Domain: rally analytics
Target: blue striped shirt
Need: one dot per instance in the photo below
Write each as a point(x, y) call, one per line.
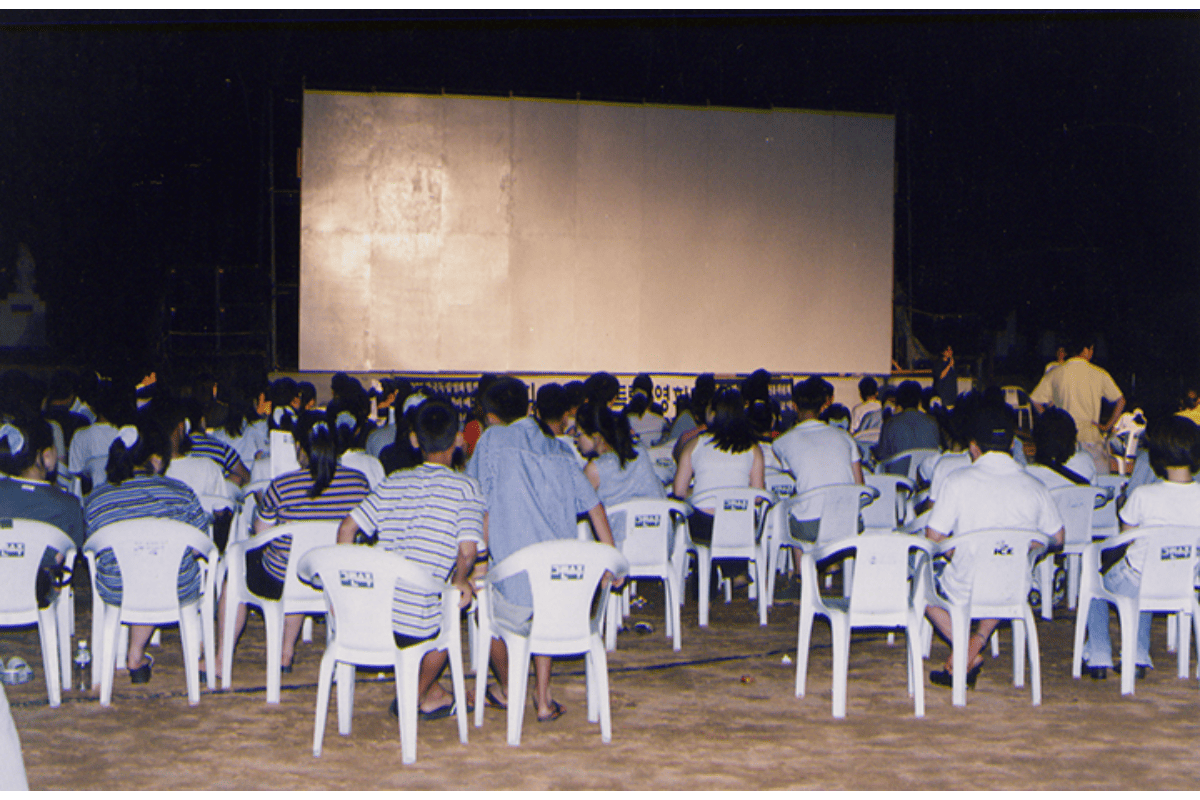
point(135, 498)
point(218, 451)
point(287, 500)
point(424, 514)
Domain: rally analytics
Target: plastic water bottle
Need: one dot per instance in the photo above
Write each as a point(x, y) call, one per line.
point(83, 664)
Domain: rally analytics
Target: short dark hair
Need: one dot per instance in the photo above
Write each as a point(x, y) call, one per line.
point(551, 402)
point(436, 425)
point(1054, 434)
point(868, 387)
point(993, 428)
point(908, 394)
point(809, 395)
point(1173, 441)
point(306, 391)
point(602, 387)
point(507, 398)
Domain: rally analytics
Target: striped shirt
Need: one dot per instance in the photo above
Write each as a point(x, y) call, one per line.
point(218, 451)
point(137, 497)
point(424, 514)
point(287, 500)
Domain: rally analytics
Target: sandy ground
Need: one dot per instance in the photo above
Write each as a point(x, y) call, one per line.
point(721, 715)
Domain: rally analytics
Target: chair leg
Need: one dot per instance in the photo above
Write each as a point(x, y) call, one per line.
point(1035, 661)
point(408, 667)
point(995, 637)
point(324, 682)
point(306, 630)
point(1172, 632)
point(802, 645)
point(65, 620)
point(961, 626)
point(671, 592)
point(704, 573)
point(112, 623)
point(345, 696)
point(518, 686)
point(1045, 570)
point(191, 641)
point(228, 623)
point(1127, 613)
point(455, 656)
point(273, 617)
point(611, 621)
point(840, 623)
point(1184, 626)
point(847, 576)
point(598, 667)
point(1074, 563)
point(483, 646)
point(1020, 630)
point(916, 667)
point(1082, 606)
point(48, 634)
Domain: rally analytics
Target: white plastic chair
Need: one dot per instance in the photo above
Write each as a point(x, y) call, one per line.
point(359, 584)
point(738, 521)
point(650, 526)
point(1104, 520)
point(21, 549)
point(297, 598)
point(283, 453)
point(908, 462)
point(1170, 554)
point(836, 506)
point(664, 461)
point(149, 551)
point(882, 598)
point(1076, 506)
point(892, 510)
point(564, 576)
point(1012, 396)
point(1000, 582)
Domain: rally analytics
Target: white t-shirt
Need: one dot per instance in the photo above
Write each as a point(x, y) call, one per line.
point(817, 454)
point(718, 469)
point(993, 492)
point(942, 465)
point(1159, 503)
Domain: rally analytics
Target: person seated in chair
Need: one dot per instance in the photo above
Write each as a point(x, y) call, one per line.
point(1058, 462)
point(1174, 445)
point(432, 516)
point(534, 491)
point(909, 429)
point(993, 492)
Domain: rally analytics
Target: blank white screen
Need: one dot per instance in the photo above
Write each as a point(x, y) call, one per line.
point(469, 235)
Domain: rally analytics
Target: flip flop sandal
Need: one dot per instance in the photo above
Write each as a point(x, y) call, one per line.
point(556, 711)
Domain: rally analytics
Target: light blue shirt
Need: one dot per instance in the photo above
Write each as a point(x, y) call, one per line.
point(533, 490)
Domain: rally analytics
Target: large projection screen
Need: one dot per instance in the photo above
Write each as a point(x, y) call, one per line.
point(460, 234)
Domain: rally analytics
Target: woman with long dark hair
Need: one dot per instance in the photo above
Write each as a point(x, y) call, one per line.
point(726, 455)
point(617, 468)
point(320, 490)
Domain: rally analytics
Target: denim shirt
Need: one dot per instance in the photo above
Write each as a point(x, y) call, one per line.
point(533, 490)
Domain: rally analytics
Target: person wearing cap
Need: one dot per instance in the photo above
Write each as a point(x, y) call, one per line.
point(1078, 387)
point(993, 492)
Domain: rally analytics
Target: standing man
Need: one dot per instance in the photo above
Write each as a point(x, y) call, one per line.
point(1078, 387)
point(945, 378)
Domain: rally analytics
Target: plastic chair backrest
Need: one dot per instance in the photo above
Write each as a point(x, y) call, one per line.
point(563, 576)
point(881, 575)
point(664, 461)
point(359, 584)
point(889, 510)
point(1001, 558)
point(1168, 566)
point(148, 552)
point(22, 542)
point(908, 462)
point(648, 527)
point(836, 506)
point(283, 453)
point(1076, 504)
point(780, 484)
point(738, 518)
point(306, 536)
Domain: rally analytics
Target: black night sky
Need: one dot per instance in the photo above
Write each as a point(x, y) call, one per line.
point(1048, 164)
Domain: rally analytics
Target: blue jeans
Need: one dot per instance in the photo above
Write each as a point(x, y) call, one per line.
point(1097, 649)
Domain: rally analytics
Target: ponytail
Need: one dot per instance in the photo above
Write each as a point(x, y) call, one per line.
point(319, 443)
point(595, 419)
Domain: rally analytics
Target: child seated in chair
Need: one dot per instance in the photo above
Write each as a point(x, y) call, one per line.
point(432, 516)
